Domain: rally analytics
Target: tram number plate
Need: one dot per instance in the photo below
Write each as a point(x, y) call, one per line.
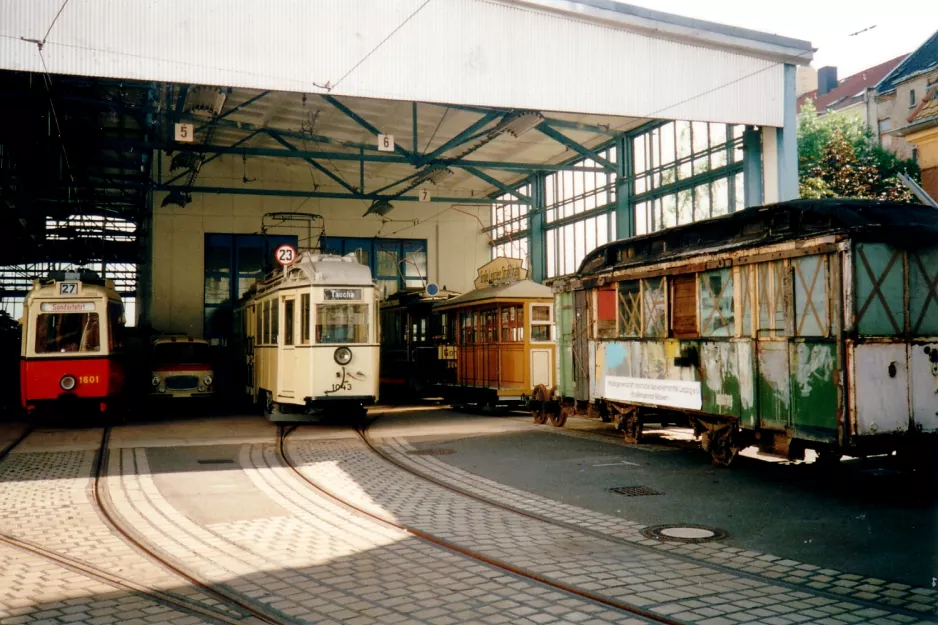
point(344, 386)
point(89, 379)
point(343, 294)
point(68, 288)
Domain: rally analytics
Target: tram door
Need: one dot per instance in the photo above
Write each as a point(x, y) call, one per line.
point(287, 351)
point(581, 352)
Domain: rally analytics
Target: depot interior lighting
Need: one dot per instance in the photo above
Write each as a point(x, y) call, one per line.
point(522, 123)
point(435, 175)
point(379, 207)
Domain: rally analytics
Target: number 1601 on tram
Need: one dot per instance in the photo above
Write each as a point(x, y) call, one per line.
point(71, 342)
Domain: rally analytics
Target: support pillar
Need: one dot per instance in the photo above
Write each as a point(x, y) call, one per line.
point(625, 211)
point(537, 250)
point(788, 141)
point(752, 167)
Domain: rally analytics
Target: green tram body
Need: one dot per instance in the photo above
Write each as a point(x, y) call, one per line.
point(810, 324)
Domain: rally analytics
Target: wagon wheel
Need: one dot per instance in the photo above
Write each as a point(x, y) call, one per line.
point(558, 416)
point(538, 398)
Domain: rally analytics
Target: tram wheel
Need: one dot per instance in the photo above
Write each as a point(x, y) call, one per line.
point(538, 398)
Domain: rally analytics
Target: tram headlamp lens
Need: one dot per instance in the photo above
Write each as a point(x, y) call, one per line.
point(207, 380)
point(343, 356)
point(156, 380)
point(67, 382)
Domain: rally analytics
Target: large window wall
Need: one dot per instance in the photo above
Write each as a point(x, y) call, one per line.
point(664, 175)
point(684, 172)
point(395, 263)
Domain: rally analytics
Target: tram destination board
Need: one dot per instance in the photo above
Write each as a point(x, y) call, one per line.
point(342, 294)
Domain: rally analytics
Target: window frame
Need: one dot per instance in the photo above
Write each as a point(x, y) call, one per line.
point(549, 323)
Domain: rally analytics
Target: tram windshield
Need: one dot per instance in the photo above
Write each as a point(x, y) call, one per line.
point(181, 354)
point(67, 333)
point(342, 323)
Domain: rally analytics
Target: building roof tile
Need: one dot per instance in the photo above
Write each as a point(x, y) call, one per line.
point(923, 59)
point(850, 90)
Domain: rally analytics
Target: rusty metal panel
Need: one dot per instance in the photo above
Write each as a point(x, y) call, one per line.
point(720, 386)
point(653, 363)
point(924, 386)
point(581, 359)
point(773, 384)
point(881, 388)
point(814, 393)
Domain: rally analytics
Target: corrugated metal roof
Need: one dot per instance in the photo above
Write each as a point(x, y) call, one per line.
point(522, 289)
point(458, 51)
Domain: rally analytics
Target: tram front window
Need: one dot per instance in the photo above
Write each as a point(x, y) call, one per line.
point(67, 333)
point(342, 323)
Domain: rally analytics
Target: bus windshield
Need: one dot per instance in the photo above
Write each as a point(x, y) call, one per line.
point(181, 354)
point(67, 333)
point(342, 323)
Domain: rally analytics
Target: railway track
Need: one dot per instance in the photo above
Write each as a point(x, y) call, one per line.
point(102, 504)
point(474, 555)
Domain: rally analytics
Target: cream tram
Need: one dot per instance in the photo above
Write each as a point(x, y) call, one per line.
point(310, 335)
point(504, 339)
point(71, 342)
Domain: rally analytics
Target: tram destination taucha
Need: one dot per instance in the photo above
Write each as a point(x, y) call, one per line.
point(72, 331)
point(310, 336)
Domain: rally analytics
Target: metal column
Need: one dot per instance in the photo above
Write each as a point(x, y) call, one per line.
point(752, 167)
point(536, 247)
point(625, 211)
point(788, 142)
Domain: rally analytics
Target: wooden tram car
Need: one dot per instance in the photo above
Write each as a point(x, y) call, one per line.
point(806, 324)
point(71, 342)
point(502, 335)
point(311, 338)
point(415, 360)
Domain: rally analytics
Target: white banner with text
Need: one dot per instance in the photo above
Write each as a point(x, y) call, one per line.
point(673, 393)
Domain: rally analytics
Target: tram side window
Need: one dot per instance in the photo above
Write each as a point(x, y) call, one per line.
point(773, 295)
point(717, 312)
point(342, 323)
point(67, 333)
point(512, 323)
point(541, 322)
point(275, 321)
point(115, 326)
point(258, 324)
point(606, 313)
point(267, 322)
point(288, 322)
point(684, 306)
point(304, 318)
point(489, 319)
point(654, 307)
point(630, 308)
point(465, 328)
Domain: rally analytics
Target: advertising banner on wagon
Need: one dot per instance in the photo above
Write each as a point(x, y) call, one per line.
point(673, 393)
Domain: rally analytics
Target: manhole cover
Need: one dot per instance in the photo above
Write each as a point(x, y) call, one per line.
point(684, 533)
point(635, 491)
point(216, 461)
point(433, 451)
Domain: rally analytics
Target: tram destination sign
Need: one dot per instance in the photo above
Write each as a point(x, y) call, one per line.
point(500, 269)
point(343, 295)
point(67, 307)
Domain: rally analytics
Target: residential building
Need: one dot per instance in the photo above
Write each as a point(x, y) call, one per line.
point(900, 93)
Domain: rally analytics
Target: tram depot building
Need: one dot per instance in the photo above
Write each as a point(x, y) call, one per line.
point(430, 137)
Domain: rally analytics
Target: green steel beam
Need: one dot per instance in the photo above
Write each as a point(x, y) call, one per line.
point(537, 249)
point(289, 134)
point(361, 121)
point(562, 139)
point(498, 184)
point(211, 158)
point(460, 138)
point(233, 110)
point(316, 165)
point(324, 194)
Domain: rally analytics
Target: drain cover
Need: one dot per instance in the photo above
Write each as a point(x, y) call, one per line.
point(432, 451)
point(215, 461)
point(684, 533)
point(635, 491)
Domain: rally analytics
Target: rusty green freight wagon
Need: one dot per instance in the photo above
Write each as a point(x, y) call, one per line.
point(800, 325)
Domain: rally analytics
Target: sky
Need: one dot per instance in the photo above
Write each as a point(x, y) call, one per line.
point(899, 28)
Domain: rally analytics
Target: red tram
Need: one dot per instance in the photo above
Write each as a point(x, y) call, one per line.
point(71, 342)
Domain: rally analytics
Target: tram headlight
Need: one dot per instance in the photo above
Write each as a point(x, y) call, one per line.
point(156, 380)
point(67, 382)
point(207, 380)
point(343, 356)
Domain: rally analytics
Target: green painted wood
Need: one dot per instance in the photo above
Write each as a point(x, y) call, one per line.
point(773, 384)
point(813, 386)
point(879, 286)
point(564, 306)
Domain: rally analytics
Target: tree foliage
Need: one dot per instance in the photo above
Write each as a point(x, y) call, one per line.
point(839, 157)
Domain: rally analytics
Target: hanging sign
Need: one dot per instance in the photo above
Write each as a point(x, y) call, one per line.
point(185, 133)
point(385, 143)
point(285, 254)
point(423, 195)
point(501, 269)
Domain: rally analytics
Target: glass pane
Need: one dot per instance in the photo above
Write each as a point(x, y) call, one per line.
point(540, 333)
point(667, 145)
point(669, 211)
point(702, 202)
point(721, 198)
point(250, 259)
point(67, 333)
point(630, 308)
point(341, 323)
point(540, 313)
point(685, 207)
point(654, 293)
point(217, 289)
point(304, 317)
point(716, 303)
point(288, 322)
point(388, 258)
point(275, 321)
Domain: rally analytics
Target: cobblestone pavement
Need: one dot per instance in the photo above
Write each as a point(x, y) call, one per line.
point(35, 590)
point(322, 563)
point(46, 500)
point(685, 584)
